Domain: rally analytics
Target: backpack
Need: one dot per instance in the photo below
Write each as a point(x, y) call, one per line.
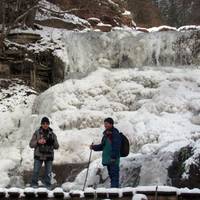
point(125, 147)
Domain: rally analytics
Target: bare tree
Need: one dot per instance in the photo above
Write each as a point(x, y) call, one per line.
point(14, 13)
point(2, 35)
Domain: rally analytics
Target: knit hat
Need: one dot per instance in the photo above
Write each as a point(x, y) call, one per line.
point(109, 120)
point(45, 120)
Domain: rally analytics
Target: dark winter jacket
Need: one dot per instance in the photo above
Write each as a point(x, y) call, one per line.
point(44, 151)
point(110, 145)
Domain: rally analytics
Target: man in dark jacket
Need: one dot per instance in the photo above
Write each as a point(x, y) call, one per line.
point(110, 145)
point(44, 141)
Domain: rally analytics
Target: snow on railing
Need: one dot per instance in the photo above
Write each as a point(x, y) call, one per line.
point(139, 193)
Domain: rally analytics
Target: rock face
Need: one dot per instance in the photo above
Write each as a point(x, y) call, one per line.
point(108, 11)
point(37, 70)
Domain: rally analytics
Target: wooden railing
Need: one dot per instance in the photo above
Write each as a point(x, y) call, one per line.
point(90, 194)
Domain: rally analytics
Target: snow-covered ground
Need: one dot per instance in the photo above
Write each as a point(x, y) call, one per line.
point(15, 108)
point(156, 106)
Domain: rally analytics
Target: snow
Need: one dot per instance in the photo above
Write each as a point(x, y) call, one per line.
point(2, 190)
point(156, 29)
point(48, 5)
point(41, 190)
point(45, 13)
point(107, 191)
point(58, 190)
point(105, 25)
point(189, 27)
point(159, 124)
point(128, 189)
point(94, 19)
point(89, 190)
point(29, 190)
point(126, 12)
point(113, 3)
point(186, 190)
point(15, 106)
point(77, 109)
point(152, 105)
point(157, 188)
point(139, 197)
point(14, 190)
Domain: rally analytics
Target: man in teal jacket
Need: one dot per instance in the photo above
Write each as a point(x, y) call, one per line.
point(110, 145)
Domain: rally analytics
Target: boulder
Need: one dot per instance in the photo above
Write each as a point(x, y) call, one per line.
point(177, 171)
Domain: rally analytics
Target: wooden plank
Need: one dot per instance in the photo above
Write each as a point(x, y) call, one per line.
point(161, 195)
point(113, 195)
point(102, 195)
point(89, 195)
point(75, 196)
point(29, 195)
point(42, 195)
point(189, 196)
point(59, 195)
point(13, 195)
point(2, 195)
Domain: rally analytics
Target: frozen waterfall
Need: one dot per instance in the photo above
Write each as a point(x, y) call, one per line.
point(85, 52)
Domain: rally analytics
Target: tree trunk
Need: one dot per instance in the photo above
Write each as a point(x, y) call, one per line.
point(2, 36)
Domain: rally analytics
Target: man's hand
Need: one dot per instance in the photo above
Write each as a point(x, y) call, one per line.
point(91, 146)
point(41, 141)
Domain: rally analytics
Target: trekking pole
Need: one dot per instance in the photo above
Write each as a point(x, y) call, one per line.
point(87, 169)
point(156, 194)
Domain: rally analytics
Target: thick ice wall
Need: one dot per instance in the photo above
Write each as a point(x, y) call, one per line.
point(123, 49)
